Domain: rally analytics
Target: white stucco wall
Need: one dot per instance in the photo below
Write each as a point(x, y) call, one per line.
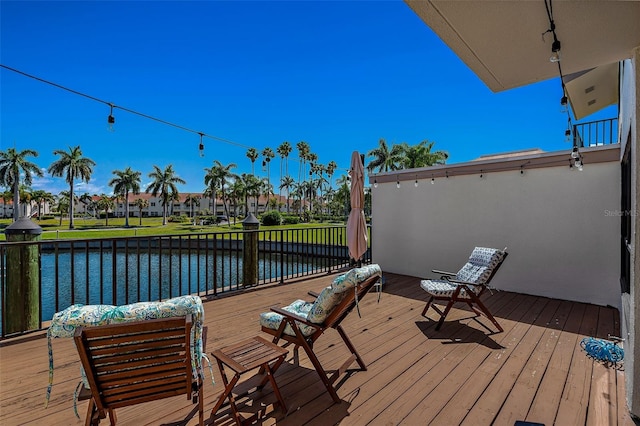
point(560, 226)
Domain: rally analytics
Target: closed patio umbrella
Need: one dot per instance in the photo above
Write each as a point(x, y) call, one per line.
point(357, 225)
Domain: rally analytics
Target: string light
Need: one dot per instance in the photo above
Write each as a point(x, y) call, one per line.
point(563, 104)
point(433, 180)
point(555, 46)
point(577, 158)
point(111, 120)
point(375, 183)
point(509, 167)
point(555, 57)
point(416, 184)
point(201, 146)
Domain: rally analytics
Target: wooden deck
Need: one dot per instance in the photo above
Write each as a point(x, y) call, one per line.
point(462, 374)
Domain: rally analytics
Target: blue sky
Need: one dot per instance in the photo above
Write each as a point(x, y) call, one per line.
point(339, 75)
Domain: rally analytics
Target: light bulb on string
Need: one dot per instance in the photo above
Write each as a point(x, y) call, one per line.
point(433, 180)
point(111, 120)
point(575, 154)
point(564, 101)
point(555, 50)
point(397, 182)
point(416, 184)
point(201, 146)
point(375, 183)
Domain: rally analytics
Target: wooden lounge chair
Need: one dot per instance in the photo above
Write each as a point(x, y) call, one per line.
point(302, 323)
point(135, 362)
point(467, 285)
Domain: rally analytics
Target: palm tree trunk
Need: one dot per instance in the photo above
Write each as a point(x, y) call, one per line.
point(71, 204)
point(126, 209)
point(16, 200)
point(164, 214)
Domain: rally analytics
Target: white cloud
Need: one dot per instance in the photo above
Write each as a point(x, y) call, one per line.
point(55, 185)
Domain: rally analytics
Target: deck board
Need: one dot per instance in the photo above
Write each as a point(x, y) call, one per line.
point(462, 374)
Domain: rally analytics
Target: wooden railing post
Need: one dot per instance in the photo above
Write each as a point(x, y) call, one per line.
point(250, 250)
point(22, 302)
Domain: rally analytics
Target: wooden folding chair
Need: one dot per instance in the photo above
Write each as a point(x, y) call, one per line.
point(467, 285)
point(135, 362)
point(302, 323)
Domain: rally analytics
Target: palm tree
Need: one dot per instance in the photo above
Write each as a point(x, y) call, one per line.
point(191, 200)
point(303, 153)
point(252, 188)
point(39, 196)
point(287, 183)
point(12, 163)
point(217, 177)
point(267, 190)
point(126, 180)
point(106, 203)
point(283, 151)
point(420, 155)
point(236, 194)
point(164, 185)
point(385, 159)
point(252, 154)
point(226, 175)
point(331, 169)
point(343, 194)
point(63, 205)
point(73, 166)
point(268, 154)
point(141, 203)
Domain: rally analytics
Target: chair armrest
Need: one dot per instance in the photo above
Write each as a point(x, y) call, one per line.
point(437, 271)
point(313, 294)
point(292, 316)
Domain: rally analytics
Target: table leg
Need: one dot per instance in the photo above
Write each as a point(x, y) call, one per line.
point(227, 393)
point(272, 379)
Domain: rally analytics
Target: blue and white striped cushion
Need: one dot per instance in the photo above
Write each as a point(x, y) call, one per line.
point(299, 307)
point(480, 265)
point(441, 288)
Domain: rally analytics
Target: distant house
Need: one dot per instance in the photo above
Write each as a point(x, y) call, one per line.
point(205, 205)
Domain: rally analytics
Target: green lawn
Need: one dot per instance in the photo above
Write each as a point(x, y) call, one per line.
point(92, 228)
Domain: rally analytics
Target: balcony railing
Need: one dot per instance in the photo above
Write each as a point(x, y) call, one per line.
point(119, 271)
point(596, 133)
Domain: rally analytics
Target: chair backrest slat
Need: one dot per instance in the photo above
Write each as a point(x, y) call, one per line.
point(135, 362)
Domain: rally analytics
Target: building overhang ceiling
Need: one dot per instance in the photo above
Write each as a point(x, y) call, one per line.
point(503, 42)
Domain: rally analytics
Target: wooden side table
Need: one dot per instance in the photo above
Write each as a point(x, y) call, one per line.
point(244, 357)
